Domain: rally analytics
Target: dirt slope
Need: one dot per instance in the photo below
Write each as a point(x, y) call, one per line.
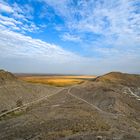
point(14, 92)
point(120, 78)
point(6, 76)
point(116, 93)
point(95, 110)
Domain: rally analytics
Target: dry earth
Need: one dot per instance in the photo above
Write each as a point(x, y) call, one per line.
point(106, 108)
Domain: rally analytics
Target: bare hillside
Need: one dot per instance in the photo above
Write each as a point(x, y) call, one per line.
point(14, 92)
point(6, 76)
point(106, 108)
point(120, 78)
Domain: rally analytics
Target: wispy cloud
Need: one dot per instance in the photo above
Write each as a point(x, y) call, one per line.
point(19, 19)
point(70, 37)
point(108, 30)
point(116, 22)
point(34, 55)
point(107, 18)
point(5, 8)
point(20, 45)
point(14, 45)
point(22, 53)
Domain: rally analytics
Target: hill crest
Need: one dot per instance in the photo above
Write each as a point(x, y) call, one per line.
point(6, 76)
point(120, 78)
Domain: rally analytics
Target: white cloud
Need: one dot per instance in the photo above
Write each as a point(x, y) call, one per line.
point(10, 22)
point(5, 8)
point(20, 53)
point(116, 21)
point(23, 12)
point(17, 45)
point(20, 18)
point(61, 7)
point(104, 17)
point(69, 37)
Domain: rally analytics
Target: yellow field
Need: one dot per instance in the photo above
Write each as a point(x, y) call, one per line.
point(56, 80)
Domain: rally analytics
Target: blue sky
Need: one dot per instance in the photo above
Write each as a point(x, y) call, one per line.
point(70, 36)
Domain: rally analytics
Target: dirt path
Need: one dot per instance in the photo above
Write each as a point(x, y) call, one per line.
point(130, 92)
point(31, 103)
point(68, 92)
point(92, 105)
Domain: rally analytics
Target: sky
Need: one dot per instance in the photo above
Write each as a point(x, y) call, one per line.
point(70, 36)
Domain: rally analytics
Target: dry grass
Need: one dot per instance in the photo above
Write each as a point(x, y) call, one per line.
point(56, 80)
point(53, 81)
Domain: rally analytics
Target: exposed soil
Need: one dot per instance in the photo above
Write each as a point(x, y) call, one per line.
point(98, 109)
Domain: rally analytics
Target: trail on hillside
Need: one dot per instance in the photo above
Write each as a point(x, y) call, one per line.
point(92, 105)
point(30, 103)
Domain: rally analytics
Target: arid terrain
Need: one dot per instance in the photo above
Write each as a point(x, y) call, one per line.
point(72, 108)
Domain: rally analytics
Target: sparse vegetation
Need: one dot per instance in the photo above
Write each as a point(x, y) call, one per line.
point(19, 102)
point(63, 116)
point(12, 115)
